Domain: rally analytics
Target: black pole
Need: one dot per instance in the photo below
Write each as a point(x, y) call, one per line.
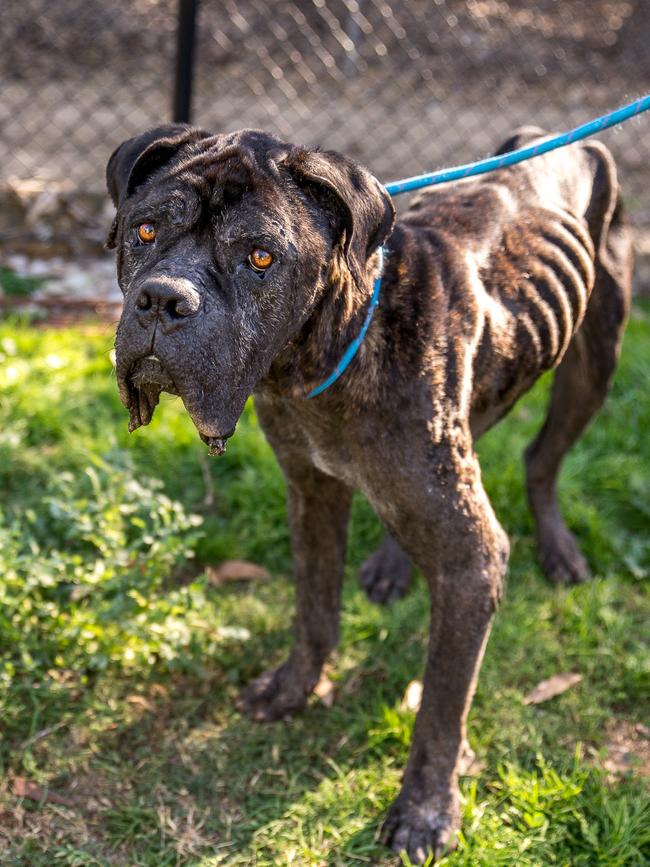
point(186, 32)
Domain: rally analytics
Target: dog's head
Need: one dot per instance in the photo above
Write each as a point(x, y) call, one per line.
point(224, 249)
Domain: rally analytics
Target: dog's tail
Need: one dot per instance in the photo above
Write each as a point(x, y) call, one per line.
point(608, 226)
point(519, 139)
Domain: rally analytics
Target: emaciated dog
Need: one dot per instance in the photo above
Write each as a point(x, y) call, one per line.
point(247, 265)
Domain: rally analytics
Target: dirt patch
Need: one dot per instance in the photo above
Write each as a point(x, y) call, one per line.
point(628, 749)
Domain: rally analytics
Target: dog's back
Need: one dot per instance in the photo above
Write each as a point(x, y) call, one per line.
point(531, 249)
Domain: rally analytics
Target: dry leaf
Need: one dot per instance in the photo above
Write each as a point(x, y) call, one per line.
point(555, 685)
point(412, 697)
point(159, 690)
point(140, 701)
point(324, 689)
point(23, 788)
point(237, 570)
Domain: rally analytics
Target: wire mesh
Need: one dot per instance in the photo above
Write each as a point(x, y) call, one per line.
point(404, 86)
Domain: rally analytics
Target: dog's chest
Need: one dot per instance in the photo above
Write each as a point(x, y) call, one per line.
point(331, 456)
point(326, 440)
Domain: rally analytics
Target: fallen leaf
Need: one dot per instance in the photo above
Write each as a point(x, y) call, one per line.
point(237, 570)
point(412, 697)
point(159, 690)
point(324, 689)
point(555, 685)
point(23, 788)
point(140, 701)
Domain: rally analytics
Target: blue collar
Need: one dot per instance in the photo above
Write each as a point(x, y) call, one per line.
point(353, 348)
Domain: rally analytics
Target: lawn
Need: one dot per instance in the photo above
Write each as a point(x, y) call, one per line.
point(120, 661)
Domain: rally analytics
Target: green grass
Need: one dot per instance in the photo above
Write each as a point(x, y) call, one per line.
point(120, 662)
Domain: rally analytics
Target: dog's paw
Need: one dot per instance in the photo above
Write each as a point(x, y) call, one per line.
point(562, 560)
point(273, 695)
point(386, 574)
point(420, 832)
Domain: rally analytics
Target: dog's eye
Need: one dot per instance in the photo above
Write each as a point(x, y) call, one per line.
point(146, 233)
point(260, 260)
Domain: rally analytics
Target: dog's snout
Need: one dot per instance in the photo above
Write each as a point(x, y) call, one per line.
point(171, 299)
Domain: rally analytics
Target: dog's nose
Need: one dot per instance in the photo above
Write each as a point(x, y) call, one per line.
point(171, 299)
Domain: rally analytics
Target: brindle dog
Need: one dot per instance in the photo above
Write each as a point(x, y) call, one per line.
point(247, 265)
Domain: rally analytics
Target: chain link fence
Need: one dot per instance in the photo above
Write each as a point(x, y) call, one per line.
point(404, 86)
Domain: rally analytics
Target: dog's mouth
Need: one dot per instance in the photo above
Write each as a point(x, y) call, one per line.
point(145, 382)
point(141, 389)
point(216, 445)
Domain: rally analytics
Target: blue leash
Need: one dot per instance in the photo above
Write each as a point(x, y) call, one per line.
point(480, 167)
point(468, 170)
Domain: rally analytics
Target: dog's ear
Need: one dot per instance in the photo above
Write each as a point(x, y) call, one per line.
point(361, 207)
point(137, 158)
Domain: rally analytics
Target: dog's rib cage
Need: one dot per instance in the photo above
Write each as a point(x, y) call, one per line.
point(538, 280)
point(562, 272)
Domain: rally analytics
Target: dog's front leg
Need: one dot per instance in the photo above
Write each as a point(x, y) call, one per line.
point(319, 509)
point(454, 538)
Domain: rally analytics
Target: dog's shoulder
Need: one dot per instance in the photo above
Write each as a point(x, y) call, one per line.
point(466, 219)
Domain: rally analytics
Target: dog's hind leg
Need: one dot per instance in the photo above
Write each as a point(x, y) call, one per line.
point(579, 388)
point(386, 574)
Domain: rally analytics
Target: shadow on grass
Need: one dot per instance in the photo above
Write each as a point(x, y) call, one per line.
point(189, 743)
point(187, 775)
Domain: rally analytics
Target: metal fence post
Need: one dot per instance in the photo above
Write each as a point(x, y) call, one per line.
point(186, 32)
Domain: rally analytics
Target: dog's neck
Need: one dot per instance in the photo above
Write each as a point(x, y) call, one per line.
point(332, 325)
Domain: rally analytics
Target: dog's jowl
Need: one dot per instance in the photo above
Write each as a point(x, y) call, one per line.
point(247, 265)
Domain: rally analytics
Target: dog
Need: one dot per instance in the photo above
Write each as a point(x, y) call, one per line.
point(247, 266)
